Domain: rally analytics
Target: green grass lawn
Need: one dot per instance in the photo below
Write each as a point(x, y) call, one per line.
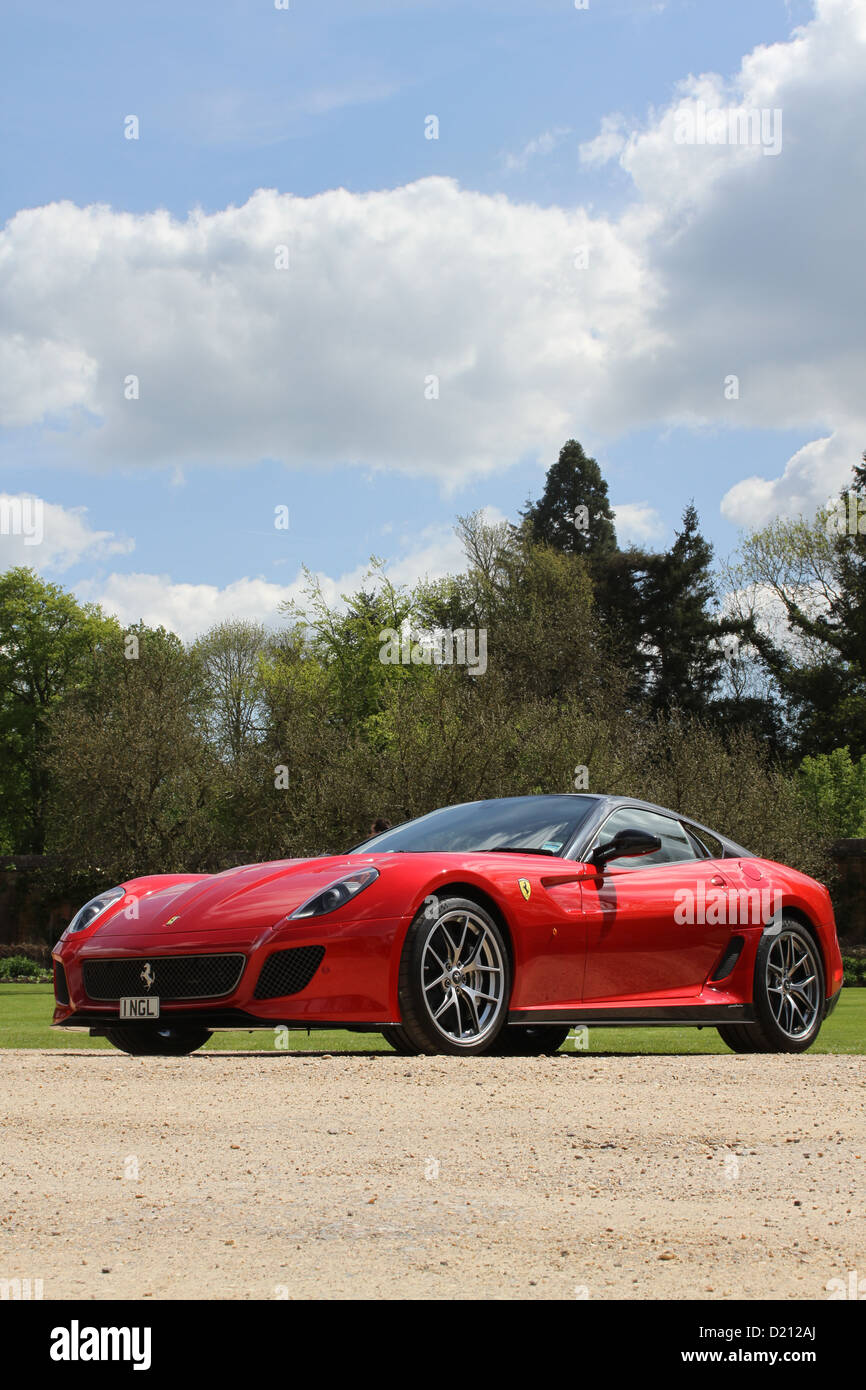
point(25, 1016)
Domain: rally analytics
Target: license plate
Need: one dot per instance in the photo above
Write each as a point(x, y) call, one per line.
point(139, 1006)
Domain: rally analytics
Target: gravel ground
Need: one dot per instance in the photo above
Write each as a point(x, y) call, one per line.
point(306, 1176)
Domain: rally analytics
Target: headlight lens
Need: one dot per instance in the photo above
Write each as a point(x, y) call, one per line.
point(87, 915)
point(336, 894)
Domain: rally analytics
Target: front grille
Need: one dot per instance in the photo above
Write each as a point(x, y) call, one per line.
point(61, 988)
point(172, 977)
point(288, 972)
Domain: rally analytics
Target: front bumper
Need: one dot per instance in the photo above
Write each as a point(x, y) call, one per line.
point(355, 983)
point(830, 1004)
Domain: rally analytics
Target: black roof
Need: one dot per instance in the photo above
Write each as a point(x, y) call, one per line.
point(731, 848)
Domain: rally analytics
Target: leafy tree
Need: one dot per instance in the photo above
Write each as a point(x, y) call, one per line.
point(47, 646)
point(136, 781)
point(803, 588)
point(231, 655)
point(833, 787)
point(347, 641)
point(537, 606)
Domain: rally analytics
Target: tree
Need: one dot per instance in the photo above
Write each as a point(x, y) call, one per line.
point(574, 516)
point(683, 636)
point(346, 640)
point(834, 790)
point(47, 646)
point(231, 655)
point(573, 513)
point(802, 587)
point(136, 783)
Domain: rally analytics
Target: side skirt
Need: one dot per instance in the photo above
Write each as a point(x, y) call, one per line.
point(659, 1016)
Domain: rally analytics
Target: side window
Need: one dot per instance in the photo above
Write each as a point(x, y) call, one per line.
point(676, 844)
point(708, 842)
point(699, 846)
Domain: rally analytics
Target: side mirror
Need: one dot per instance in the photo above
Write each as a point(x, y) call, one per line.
point(624, 845)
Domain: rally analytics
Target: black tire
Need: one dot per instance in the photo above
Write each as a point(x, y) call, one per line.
point(396, 1038)
point(476, 971)
point(531, 1041)
point(158, 1042)
point(739, 1037)
point(788, 994)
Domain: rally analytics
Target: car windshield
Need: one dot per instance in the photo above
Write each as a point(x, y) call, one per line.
point(544, 823)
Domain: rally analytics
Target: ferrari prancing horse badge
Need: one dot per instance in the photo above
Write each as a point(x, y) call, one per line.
point(525, 887)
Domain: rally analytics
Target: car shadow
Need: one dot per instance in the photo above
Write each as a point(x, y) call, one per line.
point(242, 1054)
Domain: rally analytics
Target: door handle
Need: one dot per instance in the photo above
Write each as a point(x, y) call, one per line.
point(718, 881)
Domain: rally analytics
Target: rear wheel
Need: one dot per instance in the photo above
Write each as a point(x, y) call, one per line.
point(788, 994)
point(158, 1042)
point(536, 1041)
point(455, 979)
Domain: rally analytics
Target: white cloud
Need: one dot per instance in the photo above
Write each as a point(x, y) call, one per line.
point(607, 145)
point(190, 609)
point(637, 522)
point(812, 476)
point(44, 536)
point(726, 263)
point(542, 144)
point(327, 361)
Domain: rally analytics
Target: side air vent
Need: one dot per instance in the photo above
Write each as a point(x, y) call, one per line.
point(729, 959)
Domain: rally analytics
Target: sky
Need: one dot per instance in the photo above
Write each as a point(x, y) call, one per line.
point(287, 285)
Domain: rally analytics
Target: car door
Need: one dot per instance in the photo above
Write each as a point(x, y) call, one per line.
point(647, 931)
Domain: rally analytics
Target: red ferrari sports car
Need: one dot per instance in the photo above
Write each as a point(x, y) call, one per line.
point(494, 926)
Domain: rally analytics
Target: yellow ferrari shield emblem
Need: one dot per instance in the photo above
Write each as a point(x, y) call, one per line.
point(525, 887)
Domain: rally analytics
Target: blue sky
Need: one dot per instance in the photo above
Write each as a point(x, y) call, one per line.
point(302, 400)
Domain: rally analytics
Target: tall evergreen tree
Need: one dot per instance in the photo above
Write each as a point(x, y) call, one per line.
point(683, 637)
point(573, 513)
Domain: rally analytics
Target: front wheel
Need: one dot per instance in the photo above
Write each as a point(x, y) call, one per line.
point(396, 1038)
point(158, 1042)
point(788, 994)
point(455, 979)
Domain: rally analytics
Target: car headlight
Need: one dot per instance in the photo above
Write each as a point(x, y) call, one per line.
point(87, 915)
point(336, 894)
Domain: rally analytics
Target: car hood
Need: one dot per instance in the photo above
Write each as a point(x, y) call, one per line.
point(250, 897)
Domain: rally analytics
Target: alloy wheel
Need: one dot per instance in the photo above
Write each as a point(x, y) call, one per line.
point(462, 977)
point(793, 984)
